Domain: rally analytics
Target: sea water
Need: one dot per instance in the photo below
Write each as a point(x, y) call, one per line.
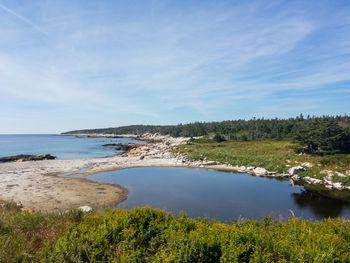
point(63, 147)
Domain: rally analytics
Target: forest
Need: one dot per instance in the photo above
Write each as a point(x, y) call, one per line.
point(323, 135)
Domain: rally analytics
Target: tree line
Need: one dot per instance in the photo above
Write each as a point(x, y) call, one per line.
point(326, 134)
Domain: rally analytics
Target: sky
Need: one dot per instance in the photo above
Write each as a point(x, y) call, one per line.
point(68, 65)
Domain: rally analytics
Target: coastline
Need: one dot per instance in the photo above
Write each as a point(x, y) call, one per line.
point(38, 184)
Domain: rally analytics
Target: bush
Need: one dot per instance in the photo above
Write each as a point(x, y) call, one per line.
point(151, 235)
point(218, 138)
point(23, 234)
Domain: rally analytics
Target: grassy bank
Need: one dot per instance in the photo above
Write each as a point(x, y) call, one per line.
point(273, 155)
point(151, 235)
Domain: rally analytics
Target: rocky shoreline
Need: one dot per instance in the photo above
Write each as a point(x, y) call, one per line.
point(38, 185)
point(160, 148)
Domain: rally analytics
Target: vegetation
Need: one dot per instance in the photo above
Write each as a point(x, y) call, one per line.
point(24, 234)
point(151, 235)
point(324, 136)
point(273, 155)
point(321, 135)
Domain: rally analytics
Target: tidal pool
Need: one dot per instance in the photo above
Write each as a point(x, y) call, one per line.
point(220, 195)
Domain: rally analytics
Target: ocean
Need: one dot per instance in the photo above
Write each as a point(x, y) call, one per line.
point(63, 147)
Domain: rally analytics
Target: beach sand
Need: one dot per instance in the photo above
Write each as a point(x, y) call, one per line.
point(37, 184)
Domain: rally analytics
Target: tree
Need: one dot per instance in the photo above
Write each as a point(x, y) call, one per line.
point(218, 138)
point(323, 136)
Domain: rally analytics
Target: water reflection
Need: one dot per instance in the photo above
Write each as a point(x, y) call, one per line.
point(220, 195)
point(321, 206)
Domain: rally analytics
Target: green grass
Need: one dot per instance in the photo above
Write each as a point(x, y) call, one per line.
point(276, 156)
point(152, 235)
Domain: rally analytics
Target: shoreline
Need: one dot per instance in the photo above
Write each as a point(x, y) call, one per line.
point(38, 184)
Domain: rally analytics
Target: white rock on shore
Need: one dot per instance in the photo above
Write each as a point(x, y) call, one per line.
point(86, 209)
point(260, 171)
point(294, 170)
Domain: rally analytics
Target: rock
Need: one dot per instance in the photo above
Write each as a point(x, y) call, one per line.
point(210, 163)
point(337, 186)
point(306, 164)
point(19, 204)
point(312, 180)
point(260, 171)
point(26, 157)
point(122, 146)
point(295, 170)
point(86, 209)
point(285, 175)
point(340, 174)
point(295, 177)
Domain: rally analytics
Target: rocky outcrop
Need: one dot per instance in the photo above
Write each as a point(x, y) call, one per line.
point(122, 146)
point(294, 170)
point(159, 148)
point(25, 157)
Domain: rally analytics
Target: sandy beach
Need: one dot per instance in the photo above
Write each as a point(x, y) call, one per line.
point(37, 184)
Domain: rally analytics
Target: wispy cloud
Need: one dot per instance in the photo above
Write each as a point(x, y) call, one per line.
point(22, 18)
point(116, 63)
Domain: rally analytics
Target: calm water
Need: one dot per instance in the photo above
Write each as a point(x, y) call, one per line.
point(63, 147)
point(220, 195)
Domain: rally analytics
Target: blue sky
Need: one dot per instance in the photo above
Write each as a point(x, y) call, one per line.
point(86, 64)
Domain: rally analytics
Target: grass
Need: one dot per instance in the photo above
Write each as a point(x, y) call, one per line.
point(276, 156)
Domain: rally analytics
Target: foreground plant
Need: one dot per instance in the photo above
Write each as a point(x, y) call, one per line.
point(151, 235)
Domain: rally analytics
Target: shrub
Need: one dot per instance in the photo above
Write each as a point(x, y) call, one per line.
point(151, 235)
point(218, 138)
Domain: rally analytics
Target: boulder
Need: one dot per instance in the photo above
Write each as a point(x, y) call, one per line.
point(340, 174)
point(260, 171)
point(312, 180)
point(295, 177)
point(86, 209)
point(294, 170)
point(337, 186)
point(306, 164)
